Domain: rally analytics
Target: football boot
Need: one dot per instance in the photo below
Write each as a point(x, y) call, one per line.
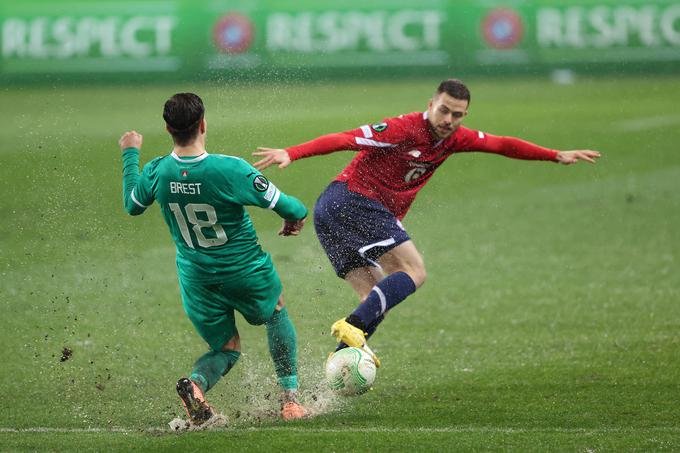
point(353, 337)
point(291, 409)
point(194, 402)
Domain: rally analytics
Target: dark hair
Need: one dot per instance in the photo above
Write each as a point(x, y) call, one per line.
point(454, 88)
point(183, 114)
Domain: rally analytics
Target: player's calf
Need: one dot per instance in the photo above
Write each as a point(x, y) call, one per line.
point(405, 258)
point(418, 275)
point(283, 349)
point(391, 291)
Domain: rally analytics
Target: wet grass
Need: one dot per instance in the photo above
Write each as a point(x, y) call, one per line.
point(549, 321)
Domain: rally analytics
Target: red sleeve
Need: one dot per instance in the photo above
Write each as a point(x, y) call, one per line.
point(388, 134)
point(506, 146)
point(323, 145)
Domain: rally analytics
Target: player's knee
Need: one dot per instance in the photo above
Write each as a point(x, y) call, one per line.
point(233, 344)
point(280, 304)
point(412, 264)
point(417, 273)
point(416, 270)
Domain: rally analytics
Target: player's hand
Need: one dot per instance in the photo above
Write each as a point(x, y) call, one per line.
point(130, 139)
point(291, 228)
point(271, 156)
point(571, 157)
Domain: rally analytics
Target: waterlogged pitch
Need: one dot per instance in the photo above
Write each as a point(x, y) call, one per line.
point(550, 319)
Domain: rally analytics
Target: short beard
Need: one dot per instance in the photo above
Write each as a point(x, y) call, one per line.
point(448, 132)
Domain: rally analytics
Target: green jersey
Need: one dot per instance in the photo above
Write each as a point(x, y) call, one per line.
point(202, 200)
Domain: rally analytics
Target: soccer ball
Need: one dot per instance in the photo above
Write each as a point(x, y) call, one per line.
point(350, 371)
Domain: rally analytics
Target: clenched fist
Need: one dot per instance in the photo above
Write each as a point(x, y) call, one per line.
point(130, 139)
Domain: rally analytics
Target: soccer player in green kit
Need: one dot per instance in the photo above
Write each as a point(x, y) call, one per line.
point(220, 265)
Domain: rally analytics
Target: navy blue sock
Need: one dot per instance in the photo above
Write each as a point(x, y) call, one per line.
point(384, 296)
point(370, 329)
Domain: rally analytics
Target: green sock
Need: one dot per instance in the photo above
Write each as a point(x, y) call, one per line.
point(210, 367)
point(283, 348)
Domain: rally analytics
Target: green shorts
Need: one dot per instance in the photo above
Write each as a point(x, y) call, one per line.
point(210, 306)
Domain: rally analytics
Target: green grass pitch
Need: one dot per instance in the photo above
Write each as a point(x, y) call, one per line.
point(550, 319)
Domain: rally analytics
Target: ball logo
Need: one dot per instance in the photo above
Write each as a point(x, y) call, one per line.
point(233, 33)
point(502, 28)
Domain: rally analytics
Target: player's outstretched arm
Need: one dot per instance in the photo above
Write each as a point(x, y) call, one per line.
point(325, 144)
point(520, 149)
point(571, 157)
point(271, 156)
point(130, 144)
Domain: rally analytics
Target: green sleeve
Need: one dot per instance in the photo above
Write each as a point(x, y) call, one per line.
point(290, 208)
point(252, 188)
point(137, 195)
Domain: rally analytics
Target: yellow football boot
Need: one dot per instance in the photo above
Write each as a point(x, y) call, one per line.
point(352, 336)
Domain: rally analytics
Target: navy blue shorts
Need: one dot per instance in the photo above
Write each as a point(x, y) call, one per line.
point(354, 230)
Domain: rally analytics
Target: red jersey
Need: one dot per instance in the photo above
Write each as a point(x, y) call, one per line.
point(398, 156)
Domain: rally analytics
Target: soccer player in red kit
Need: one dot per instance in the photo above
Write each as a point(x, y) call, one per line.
point(357, 218)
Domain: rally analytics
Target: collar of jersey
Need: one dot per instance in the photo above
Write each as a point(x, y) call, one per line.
point(195, 159)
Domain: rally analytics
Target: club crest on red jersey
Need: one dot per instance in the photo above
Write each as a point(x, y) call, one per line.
point(379, 127)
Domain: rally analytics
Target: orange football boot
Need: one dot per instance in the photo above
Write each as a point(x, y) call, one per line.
point(293, 410)
point(194, 402)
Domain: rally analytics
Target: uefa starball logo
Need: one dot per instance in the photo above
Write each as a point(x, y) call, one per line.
point(502, 28)
point(233, 33)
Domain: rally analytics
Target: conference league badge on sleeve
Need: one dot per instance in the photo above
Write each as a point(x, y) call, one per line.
point(379, 127)
point(267, 189)
point(261, 184)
